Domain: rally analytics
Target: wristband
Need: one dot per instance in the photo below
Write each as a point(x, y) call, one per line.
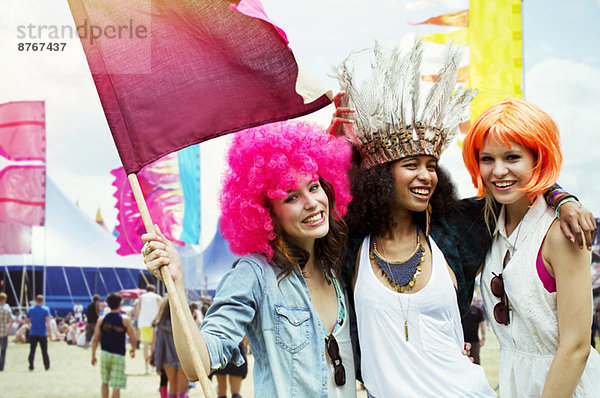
point(557, 211)
point(554, 193)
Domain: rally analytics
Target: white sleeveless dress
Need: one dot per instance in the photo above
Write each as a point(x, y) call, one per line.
point(528, 343)
point(430, 363)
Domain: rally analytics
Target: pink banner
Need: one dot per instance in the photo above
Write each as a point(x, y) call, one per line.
point(22, 162)
point(185, 71)
point(15, 239)
point(162, 190)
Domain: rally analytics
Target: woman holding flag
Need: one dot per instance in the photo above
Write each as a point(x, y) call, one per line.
point(285, 193)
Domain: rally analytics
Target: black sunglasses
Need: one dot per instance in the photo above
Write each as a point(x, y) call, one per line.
point(501, 314)
point(334, 353)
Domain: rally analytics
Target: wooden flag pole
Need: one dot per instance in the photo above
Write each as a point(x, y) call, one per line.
point(170, 285)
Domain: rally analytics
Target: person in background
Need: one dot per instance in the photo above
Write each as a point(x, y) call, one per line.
point(146, 310)
point(38, 319)
point(233, 375)
point(110, 333)
point(595, 324)
point(78, 311)
point(473, 324)
point(6, 322)
point(165, 355)
point(103, 308)
point(92, 313)
point(196, 313)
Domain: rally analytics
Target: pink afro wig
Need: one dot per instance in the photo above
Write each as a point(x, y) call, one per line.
point(264, 163)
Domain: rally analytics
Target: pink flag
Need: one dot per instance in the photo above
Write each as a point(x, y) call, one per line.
point(22, 162)
point(15, 238)
point(163, 193)
point(172, 73)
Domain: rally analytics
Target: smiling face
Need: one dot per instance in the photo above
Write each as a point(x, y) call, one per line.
point(506, 170)
point(303, 213)
point(415, 180)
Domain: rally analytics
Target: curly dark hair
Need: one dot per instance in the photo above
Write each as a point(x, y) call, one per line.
point(328, 249)
point(372, 190)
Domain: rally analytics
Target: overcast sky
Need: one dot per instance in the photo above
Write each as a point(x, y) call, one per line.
point(562, 75)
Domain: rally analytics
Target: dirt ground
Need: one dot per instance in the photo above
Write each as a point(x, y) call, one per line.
point(72, 375)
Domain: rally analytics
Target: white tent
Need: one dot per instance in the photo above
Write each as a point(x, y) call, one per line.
point(70, 238)
point(74, 256)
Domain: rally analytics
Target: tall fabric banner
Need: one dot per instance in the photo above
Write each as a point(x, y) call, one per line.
point(15, 238)
point(22, 162)
point(496, 51)
point(189, 176)
point(185, 71)
point(170, 200)
point(22, 173)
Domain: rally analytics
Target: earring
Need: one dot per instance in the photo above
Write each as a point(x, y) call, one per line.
point(427, 219)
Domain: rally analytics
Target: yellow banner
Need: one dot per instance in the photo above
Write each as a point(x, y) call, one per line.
point(458, 37)
point(496, 50)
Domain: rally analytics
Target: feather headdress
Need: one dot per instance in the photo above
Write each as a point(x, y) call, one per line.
point(391, 120)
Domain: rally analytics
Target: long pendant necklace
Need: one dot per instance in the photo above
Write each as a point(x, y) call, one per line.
point(391, 276)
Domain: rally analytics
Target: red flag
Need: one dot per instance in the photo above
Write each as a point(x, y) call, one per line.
point(181, 72)
point(22, 162)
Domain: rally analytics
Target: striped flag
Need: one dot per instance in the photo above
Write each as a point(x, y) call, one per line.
point(22, 162)
point(22, 174)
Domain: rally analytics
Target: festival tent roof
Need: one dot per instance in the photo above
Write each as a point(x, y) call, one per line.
point(218, 259)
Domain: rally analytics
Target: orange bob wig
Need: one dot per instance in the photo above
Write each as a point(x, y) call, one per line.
point(524, 123)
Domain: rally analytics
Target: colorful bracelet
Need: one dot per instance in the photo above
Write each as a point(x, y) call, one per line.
point(554, 193)
point(557, 211)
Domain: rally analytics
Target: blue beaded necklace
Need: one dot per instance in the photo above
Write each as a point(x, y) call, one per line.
point(401, 274)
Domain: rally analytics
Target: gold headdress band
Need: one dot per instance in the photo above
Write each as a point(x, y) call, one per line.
point(391, 123)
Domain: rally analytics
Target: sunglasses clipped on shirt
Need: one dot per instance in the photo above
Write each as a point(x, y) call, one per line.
point(501, 314)
point(334, 353)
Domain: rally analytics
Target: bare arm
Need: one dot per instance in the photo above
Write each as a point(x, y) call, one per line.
point(164, 254)
point(96, 339)
point(137, 308)
point(48, 326)
point(570, 267)
point(131, 333)
point(577, 224)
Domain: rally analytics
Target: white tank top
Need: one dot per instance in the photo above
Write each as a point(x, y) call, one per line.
point(528, 343)
point(148, 309)
point(430, 363)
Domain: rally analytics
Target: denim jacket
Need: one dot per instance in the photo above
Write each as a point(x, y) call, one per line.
point(282, 325)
